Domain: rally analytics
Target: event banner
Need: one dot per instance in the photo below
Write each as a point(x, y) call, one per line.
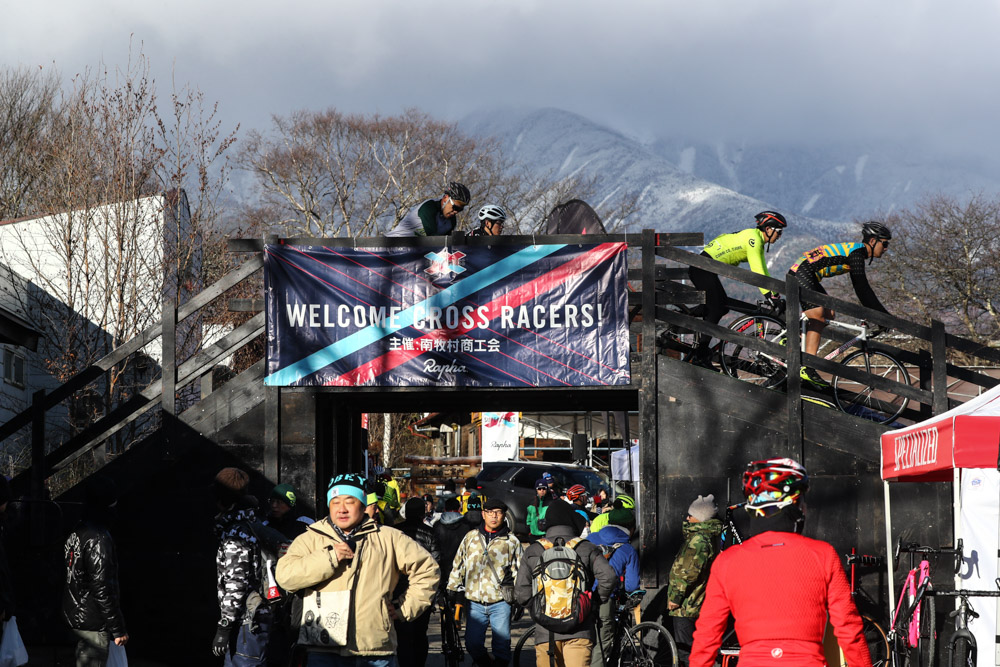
point(500, 437)
point(460, 316)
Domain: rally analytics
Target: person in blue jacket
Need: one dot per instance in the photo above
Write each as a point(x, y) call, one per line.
point(613, 540)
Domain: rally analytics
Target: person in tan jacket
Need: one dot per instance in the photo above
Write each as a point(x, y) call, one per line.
point(349, 551)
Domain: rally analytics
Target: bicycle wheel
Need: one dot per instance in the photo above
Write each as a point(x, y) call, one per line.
point(528, 634)
point(878, 645)
point(749, 365)
point(863, 400)
point(647, 645)
point(451, 642)
point(922, 655)
point(962, 654)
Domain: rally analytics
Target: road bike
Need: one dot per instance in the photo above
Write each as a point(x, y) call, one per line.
point(875, 636)
point(913, 635)
point(962, 648)
point(771, 371)
point(645, 644)
point(451, 631)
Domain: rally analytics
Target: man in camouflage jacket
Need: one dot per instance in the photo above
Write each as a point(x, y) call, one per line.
point(689, 574)
point(241, 636)
point(487, 556)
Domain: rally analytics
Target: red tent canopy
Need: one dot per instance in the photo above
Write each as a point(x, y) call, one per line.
point(967, 436)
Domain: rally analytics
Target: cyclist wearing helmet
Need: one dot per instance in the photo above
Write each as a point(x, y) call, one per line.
point(779, 585)
point(434, 217)
point(491, 219)
point(832, 260)
point(748, 246)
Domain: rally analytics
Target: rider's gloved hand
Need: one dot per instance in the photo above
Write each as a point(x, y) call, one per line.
point(456, 597)
point(220, 643)
point(776, 304)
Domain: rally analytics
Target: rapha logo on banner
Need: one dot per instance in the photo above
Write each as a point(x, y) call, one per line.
point(445, 265)
point(432, 367)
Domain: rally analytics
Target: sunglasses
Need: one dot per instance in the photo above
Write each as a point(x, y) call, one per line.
point(885, 243)
point(457, 205)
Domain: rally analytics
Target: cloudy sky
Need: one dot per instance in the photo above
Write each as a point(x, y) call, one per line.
point(921, 70)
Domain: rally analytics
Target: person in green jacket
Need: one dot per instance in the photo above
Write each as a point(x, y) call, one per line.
point(747, 246)
point(621, 502)
point(688, 577)
point(535, 514)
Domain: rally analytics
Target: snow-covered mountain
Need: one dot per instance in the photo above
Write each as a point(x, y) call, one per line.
point(841, 182)
point(714, 188)
point(672, 199)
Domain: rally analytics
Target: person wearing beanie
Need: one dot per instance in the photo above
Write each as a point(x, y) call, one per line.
point(350, 558)
point(535, 513)
point(472, 490)
point(243, 621)
point(613, 541)
point(91, 601)
point(413, 634)
point(563, 527)
point(284, 515)
point(777, 559)
point(486, 560)
point(689, 573)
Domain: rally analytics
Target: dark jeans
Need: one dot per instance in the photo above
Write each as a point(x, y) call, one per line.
point(248, 647)
point(683, 631)
point(91, 648)
point(411, 638)
point(318, 659)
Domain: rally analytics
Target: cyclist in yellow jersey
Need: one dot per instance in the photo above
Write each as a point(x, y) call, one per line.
point(831, 260)
point(748, 246)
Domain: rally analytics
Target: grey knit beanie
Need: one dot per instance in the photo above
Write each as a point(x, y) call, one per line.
point(704, 508)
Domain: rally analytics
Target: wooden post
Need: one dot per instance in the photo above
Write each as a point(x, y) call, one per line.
point(39, 471)
point(272, 431)
point(926, 369)
point(940, 372)
point(168, 374)
point(648, 439)
point(793, 342)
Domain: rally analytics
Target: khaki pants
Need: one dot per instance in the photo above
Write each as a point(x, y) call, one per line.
point(569, 653)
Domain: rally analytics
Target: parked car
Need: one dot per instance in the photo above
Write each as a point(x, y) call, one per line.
point(513, 482)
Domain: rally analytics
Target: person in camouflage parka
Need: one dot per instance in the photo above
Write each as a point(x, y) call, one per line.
point(241, 635)
point(688, 577)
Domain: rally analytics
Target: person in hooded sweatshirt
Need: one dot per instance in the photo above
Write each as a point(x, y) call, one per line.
point(613, 540)
point(450, 530)
point(564, 524)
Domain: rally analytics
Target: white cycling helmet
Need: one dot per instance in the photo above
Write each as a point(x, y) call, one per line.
point(493, 213)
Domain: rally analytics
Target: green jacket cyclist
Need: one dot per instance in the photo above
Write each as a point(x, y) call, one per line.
point(748, 246)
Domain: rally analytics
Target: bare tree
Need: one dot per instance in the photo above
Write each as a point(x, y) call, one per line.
point(944, 264)
point(332, 174)
point(28, 111)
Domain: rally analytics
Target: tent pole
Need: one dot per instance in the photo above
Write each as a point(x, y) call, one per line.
point(889, 550)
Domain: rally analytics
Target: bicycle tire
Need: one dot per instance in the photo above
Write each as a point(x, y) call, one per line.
point(962, 654)
point(749, 365)
point(878, 643)
point(451, 642)
point(650, 645)
point(923, 654)
point(865, 401)
point(516, 658)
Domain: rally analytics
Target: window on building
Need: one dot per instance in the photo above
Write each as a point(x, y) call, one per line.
point(13, 367)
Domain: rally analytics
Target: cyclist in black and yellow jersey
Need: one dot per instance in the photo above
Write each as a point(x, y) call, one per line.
point(747, 245)
point(832, 260)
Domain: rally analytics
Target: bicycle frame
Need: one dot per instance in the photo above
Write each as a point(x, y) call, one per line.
point(860, 331)
point(918, 580)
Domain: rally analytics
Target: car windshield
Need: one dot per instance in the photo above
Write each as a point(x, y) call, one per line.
point(591, 480)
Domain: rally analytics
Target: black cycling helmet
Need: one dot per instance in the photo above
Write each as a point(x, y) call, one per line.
point(458, 192)
point(875, 230)
point(767, 219)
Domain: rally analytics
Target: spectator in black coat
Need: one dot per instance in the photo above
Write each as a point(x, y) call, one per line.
point(6, 580)
point(450, 531)
point(91, 602)
point(413, 634)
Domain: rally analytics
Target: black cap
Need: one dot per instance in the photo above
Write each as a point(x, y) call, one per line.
point(494, 504)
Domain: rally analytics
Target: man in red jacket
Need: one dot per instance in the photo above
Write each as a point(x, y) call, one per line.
point(778, 585)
